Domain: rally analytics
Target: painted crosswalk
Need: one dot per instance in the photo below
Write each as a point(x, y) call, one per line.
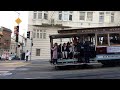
point(6, 67)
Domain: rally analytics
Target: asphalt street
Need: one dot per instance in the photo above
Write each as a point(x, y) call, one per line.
point(37, 69)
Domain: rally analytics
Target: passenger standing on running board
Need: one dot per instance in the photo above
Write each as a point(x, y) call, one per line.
point(27, 55)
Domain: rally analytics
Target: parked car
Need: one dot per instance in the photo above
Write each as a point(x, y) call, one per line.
point(13, 57)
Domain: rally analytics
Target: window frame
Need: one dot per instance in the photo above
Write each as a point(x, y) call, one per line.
point(46, 15)
point(40, 12)
point(70, 15)
point(112, 17)
point(38, 36)
point(102, 15)
point(89, 17)
point(65, 15)
point(34, 33)
point(38, 54)
point(80, 15)
point(34, 12)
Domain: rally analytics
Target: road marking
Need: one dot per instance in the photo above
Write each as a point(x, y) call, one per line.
point(22, 69)
point(5, 73)
point(29, 78)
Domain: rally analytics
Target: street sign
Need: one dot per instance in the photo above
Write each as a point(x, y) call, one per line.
point(18, 21)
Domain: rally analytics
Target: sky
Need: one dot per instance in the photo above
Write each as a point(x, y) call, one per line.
point(7, 19)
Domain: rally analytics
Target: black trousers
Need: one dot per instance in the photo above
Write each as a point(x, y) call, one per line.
point(54, 61)
point(70, 55)
point(87, 58)
point(79, 58)
point(26, 58)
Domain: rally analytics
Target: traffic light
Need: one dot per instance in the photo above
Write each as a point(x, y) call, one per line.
point(16, 38)
point(28, 34)
point(16, 31)
point(32, 44)
point(18, 46)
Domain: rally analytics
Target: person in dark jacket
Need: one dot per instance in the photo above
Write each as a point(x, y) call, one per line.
point(86, 52)
point(79, 50)
point(59, 52)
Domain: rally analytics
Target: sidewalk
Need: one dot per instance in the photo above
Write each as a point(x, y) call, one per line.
point(10, 61)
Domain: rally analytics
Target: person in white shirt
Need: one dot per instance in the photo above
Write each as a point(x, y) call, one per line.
point(27, 55)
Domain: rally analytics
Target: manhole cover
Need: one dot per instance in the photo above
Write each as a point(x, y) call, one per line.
point(22, 69)
point(5, 74)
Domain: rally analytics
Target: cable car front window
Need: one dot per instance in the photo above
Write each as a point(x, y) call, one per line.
point(102, 39)
point(114, 39)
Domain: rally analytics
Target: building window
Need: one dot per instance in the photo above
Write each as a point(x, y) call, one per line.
point(107, 13)
point(41, 34)
point(37, 33)
point(34, 32)
point(89, 16)
point(44, 34)
point(37, 52)
point(46, 15)
point(35, 15)
point(39, 14)
point(60, 15)
point(112, 17)
point(82, 15)
point(101, 16)
point(65, 15)
point(70, 15)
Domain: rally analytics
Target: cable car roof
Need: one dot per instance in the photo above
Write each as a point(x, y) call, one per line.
point(91, 29)
point(67, 33)
point(70, 35)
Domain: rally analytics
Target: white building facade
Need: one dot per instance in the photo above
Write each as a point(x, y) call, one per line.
point(41, 24)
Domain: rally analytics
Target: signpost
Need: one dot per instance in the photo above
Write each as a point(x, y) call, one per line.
point(18, 21)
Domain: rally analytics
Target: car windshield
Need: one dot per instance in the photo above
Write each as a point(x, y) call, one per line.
point(12, 55)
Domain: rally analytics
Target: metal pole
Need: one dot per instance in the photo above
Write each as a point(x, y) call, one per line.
point(17, 37)
point(31, 48)
point(22, 44)
point(31, 45)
